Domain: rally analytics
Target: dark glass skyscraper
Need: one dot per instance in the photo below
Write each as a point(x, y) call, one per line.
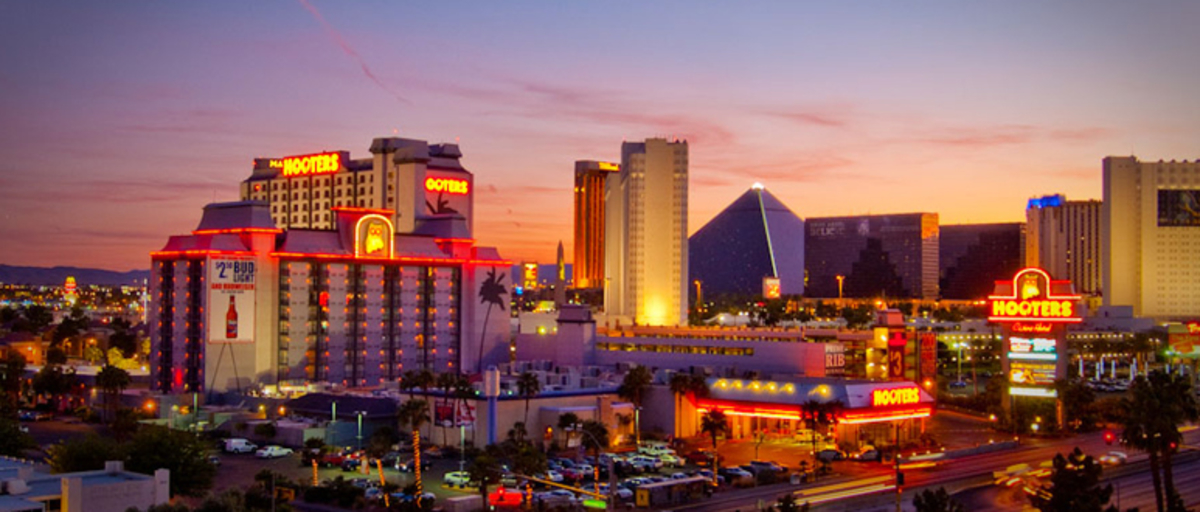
point(973, 257)
point(891, 256)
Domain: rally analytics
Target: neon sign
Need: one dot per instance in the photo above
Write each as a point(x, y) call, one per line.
point(307, 165)
point(1033, 300)
point(1032, 344)
point(895, 396)
point(373, 237)
point(448, 185)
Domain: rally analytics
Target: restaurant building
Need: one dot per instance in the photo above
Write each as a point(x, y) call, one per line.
point(866, 412)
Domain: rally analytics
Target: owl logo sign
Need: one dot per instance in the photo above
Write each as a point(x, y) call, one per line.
point(373, 237)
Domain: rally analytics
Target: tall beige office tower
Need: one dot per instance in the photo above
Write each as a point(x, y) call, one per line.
point(645, 243)
point(1150, 231)
point(1063, 238)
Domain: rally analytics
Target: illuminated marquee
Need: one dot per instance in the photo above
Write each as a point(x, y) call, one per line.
point(448, 185)
point(1033, 344)
point(373, 237)
point(895, 396)
point(307, 165)
point(1032, 300)
point(770, 286)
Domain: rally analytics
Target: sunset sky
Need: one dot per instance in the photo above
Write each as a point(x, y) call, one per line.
point(119, 121)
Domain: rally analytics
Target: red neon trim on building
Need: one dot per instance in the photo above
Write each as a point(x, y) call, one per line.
point(236, 231)
point(199, 252)
point(402, 259)
point(888, 416)
point(850, 417)
point(355, 209)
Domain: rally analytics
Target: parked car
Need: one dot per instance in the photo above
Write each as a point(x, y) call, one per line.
point(426, 497)
point(214, 460)
point(760, 465)
point(649, 463)
point(407, 465)
point(958, 384)
point(335, 459)
point(670, 460)
point(457, 479)
point(866, 454)
point(364, 483)
point(272, 451)
point(349, 464)
point(699, 457)
point(830, 455)
point(239, 445)
point(553, 476)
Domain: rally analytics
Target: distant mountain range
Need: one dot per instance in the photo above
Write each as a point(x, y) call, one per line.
point(56, 276)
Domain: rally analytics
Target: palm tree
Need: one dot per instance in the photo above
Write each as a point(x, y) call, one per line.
point(633, 388)
point(566, 423)
point(463, 391)
point(680, 384)
point(491, 292)
point(1152, 413)
point(528, 386)
point(413, 414)
point(409, 382)
point(818, 414)
point(112, 381)
point(446, 382)
point(714, 424)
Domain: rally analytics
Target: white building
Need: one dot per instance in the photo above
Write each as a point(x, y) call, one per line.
point(1150, 227)
point(646, 251)
point(112, 489)
point(1063, 238)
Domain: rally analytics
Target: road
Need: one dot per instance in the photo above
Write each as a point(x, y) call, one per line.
point(871, 488)
point(1132, 487)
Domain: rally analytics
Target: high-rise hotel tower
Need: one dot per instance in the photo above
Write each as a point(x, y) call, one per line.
point(331, 270)
point(645, 243)
point(590, 176)
point(1150, 232)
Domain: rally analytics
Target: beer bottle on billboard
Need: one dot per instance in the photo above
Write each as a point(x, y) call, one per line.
point(231, 320)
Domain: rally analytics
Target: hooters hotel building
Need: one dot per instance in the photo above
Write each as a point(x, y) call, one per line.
point(331, 270)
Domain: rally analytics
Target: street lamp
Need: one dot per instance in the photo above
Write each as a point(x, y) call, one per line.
point(840, 280)
point(599, 452)
point(360, 415)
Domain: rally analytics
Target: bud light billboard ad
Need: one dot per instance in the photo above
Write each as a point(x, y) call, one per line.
point(231, 281)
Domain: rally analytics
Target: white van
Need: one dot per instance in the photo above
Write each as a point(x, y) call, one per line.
point(239, 445)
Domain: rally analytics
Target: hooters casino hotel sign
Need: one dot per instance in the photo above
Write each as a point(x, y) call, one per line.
point(1033, 304)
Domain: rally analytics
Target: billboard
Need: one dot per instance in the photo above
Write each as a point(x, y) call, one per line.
point(770, 288)
point(1179, 207)
point(231, 299)
point(1032, 373)
point(457, 413)
point(928, 354)
point(1184, 339)
point(835, 360)
point(447, 192)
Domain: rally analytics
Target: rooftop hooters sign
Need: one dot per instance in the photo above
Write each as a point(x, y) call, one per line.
point(1034, 299)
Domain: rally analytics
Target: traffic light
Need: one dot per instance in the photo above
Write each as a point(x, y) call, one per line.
point(1109, 437)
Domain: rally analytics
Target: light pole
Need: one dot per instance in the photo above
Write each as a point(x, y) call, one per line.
point(360, 415)
point(840, 279)
point(959, 346)
point(611, 473)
